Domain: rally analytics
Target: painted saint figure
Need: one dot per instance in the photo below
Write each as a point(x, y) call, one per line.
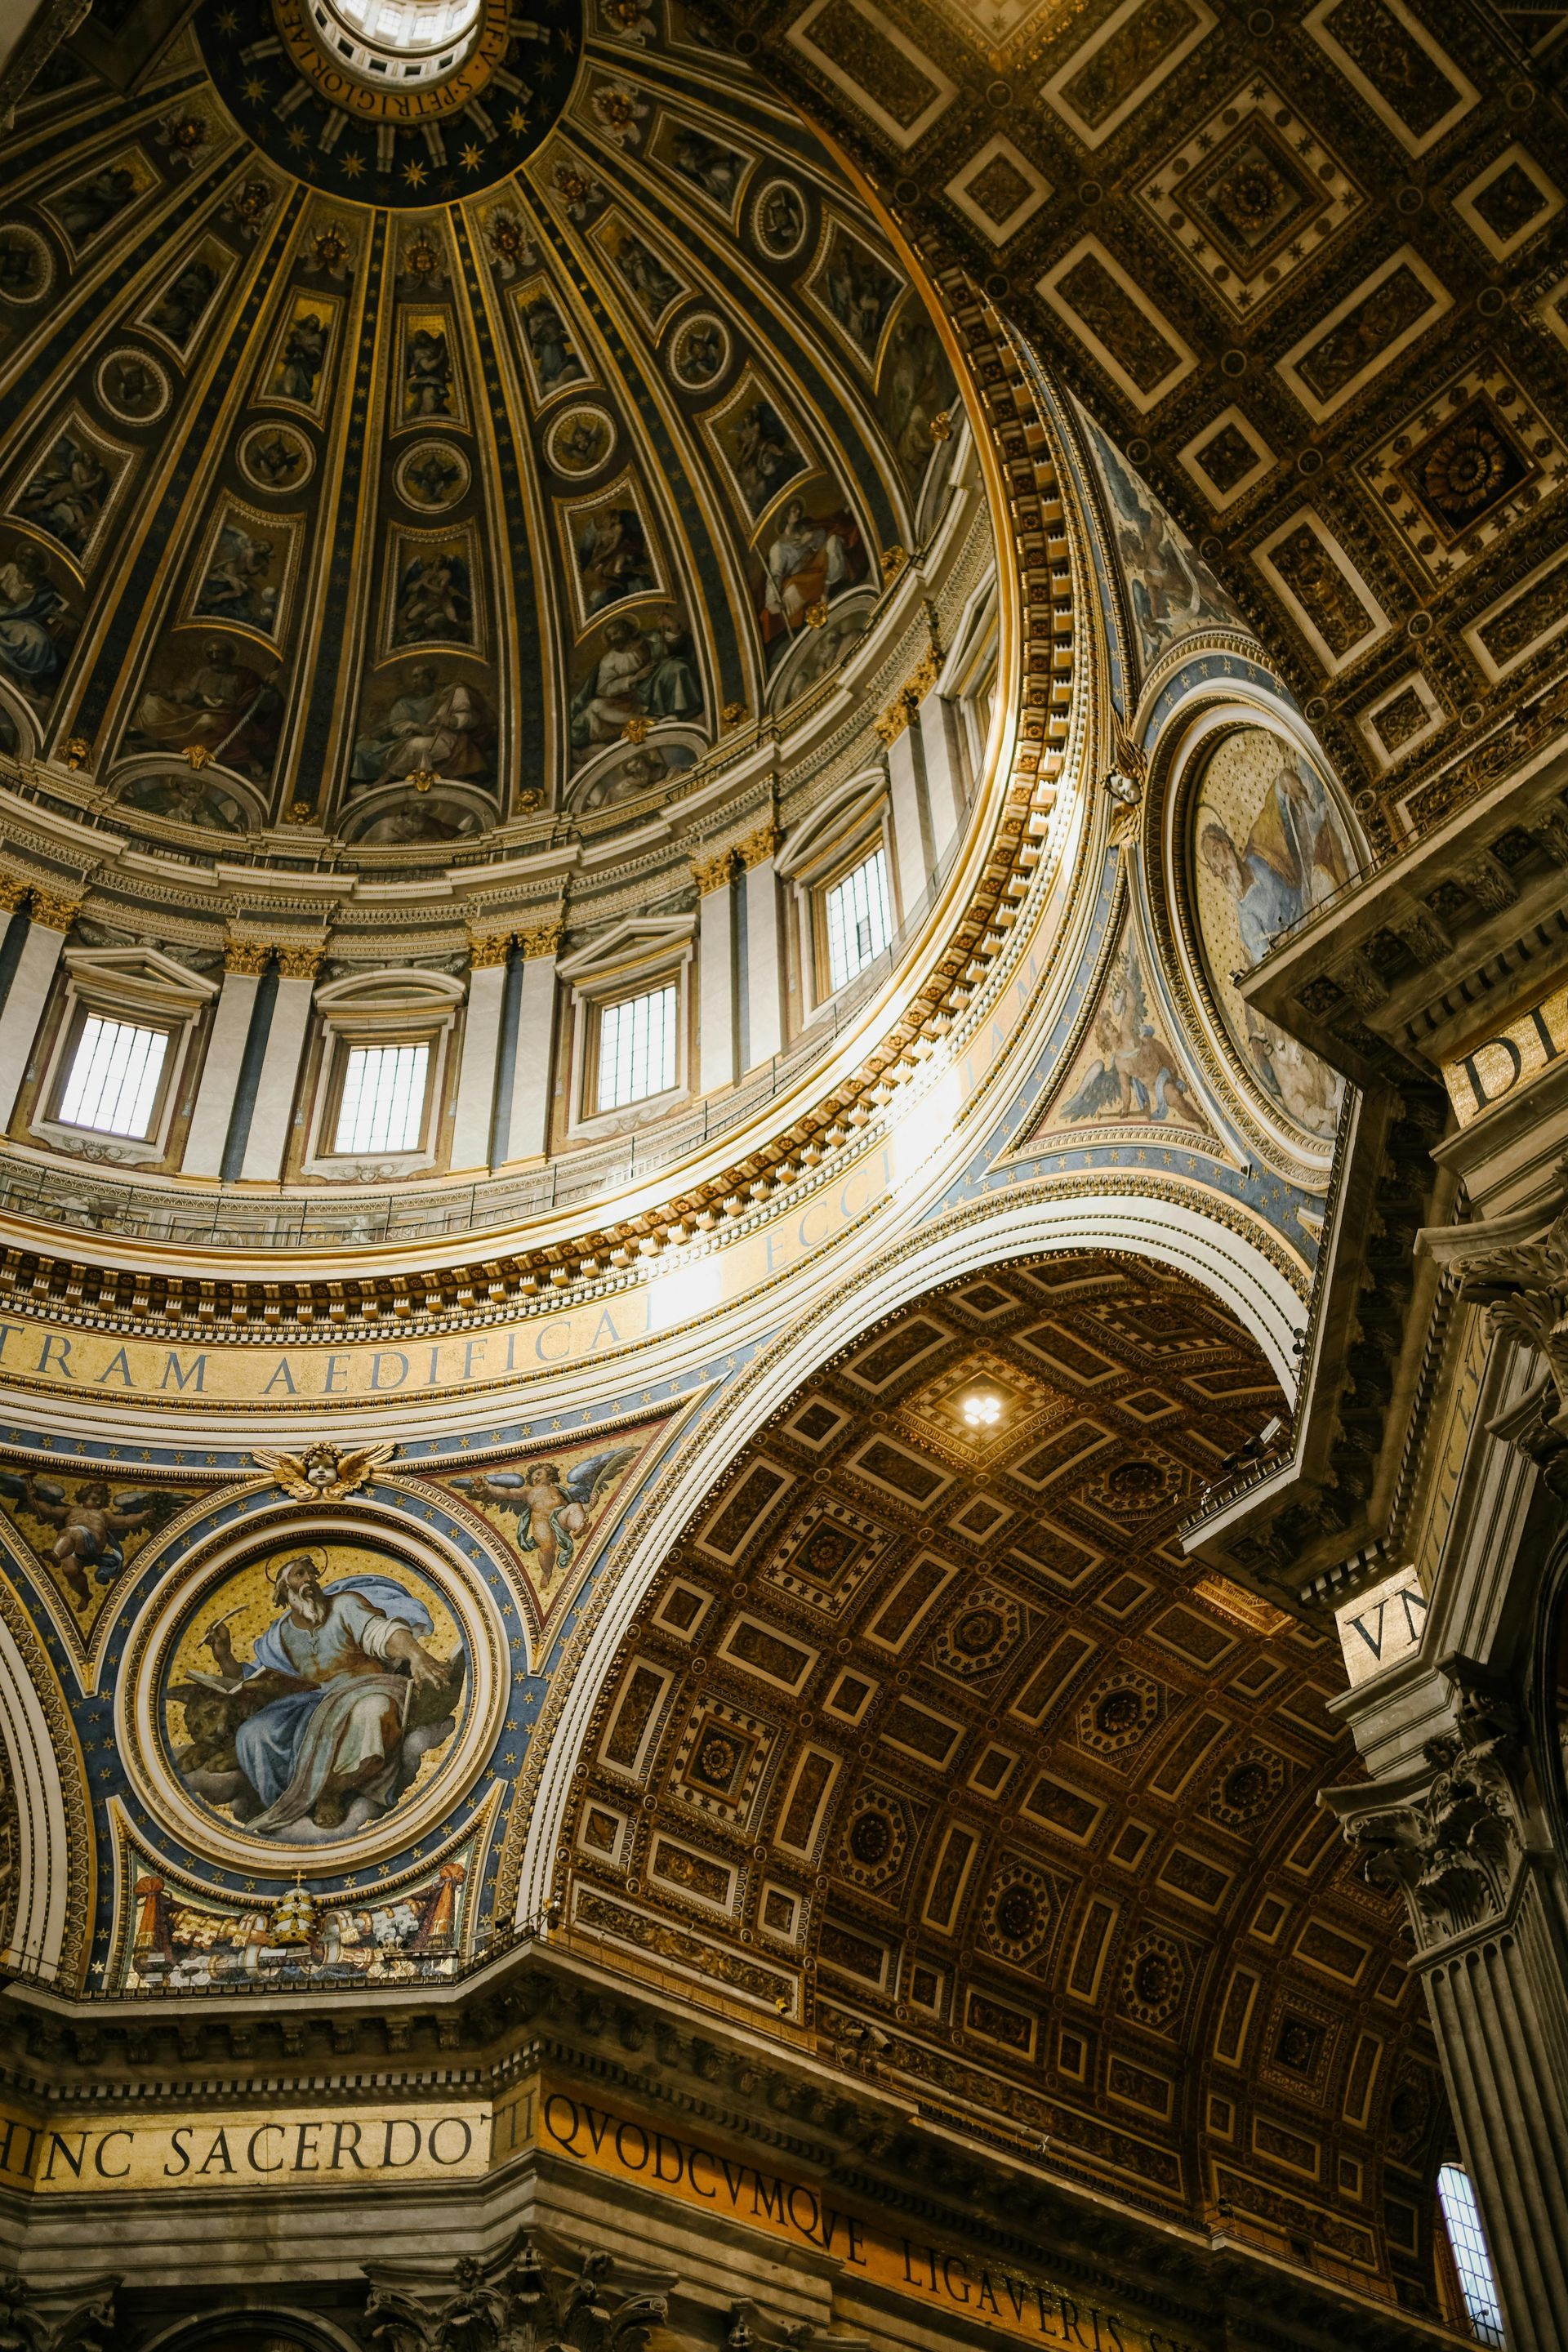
point(34, 621)
point(328, 1716)
point(442, 726)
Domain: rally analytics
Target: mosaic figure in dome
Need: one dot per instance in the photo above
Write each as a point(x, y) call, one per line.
point(640, 673)
point(1269, 848)
point(36, 624)
point(217, 704)
point(433, 722)
point(320, 1729)
point(66, 494)
point(805, 560)
point(84, 1527)
point(551, 1505)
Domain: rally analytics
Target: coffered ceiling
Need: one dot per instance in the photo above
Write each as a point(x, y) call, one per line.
point(1306, 264)
point(932, 1737)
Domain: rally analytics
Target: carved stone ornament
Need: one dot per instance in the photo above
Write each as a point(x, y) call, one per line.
point(81, 2319)
point(524, 2299)
point(325, 1473)
point(1451, 1847)
point(1530, 1268)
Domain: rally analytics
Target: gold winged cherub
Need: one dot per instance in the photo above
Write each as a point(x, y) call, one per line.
point(325, 1473)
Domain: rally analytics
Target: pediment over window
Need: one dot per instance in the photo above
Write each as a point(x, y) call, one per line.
point(140, 980)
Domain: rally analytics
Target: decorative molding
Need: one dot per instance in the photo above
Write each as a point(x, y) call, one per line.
point(520, 2297)
point(1452, 1845)
point(246, 957)
point(54, 911)
point(325, 1473)
point(713, 872)
point(301, 963)
point(489, 948)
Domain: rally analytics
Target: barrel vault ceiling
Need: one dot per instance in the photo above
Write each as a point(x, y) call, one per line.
point(930, 1736)
point(1307, 263)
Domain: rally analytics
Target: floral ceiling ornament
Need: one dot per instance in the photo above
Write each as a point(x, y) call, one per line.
point(324, 1473)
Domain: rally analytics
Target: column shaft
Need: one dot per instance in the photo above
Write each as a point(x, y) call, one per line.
point(716, 991)
point(1497, 2010)
point(273, 1115)
point(938, 722)
point(765, 977)
point(473, 1119)
point(533, 1069)
point(24, 1001)
point(914, 848)
point(220, 1075)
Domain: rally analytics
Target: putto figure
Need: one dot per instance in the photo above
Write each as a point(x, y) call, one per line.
point(322, 1729)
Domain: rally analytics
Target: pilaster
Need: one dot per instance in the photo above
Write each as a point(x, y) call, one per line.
point(1463, 1843)
point(527, 1124)
point(52, 917)
point(268, 1144)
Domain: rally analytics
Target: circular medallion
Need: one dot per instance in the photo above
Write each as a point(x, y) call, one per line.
point(133, 386)
point(700, 351)
point(27, 265)
point(274, 459)
point(316, 1697)
point(579, 442)
point(432, 476)
point(778, 220)
point(289, 87)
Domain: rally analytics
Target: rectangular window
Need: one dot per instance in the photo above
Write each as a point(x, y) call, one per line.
point(859, 919)
point(383, 1107)
point(1462, 2217)
point(637, 1048)
point(114, 1075)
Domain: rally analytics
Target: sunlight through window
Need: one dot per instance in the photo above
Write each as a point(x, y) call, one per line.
point(113, 1081)
point(859, 920)
point(637, 1048)
point(383, 1109)
point(1462, 2218)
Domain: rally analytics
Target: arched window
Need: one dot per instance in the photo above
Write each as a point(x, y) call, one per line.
point(1462, 2218)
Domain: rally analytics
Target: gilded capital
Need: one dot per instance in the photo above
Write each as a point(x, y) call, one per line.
point(713, 872)
point(758, 846)
point(246, 956)
point(545, 941)
point(487, 949)
point(12, 893)
point(54, 909)
point(299, 962)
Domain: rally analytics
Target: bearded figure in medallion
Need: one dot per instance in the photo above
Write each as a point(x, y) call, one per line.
point(322, 1729)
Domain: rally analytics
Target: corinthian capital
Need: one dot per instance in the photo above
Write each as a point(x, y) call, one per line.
point(1521, 1265)
point(1451, 1842)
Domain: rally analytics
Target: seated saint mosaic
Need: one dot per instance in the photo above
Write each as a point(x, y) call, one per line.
point(324, 1698)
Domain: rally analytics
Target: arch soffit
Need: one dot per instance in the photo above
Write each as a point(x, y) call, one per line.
point(53, 1864)
point(1173, 1234)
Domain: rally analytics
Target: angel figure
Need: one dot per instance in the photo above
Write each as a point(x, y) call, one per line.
point(93, 1523)
point(325, 1473)
point(1135, 1074)
point(552, 1504)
